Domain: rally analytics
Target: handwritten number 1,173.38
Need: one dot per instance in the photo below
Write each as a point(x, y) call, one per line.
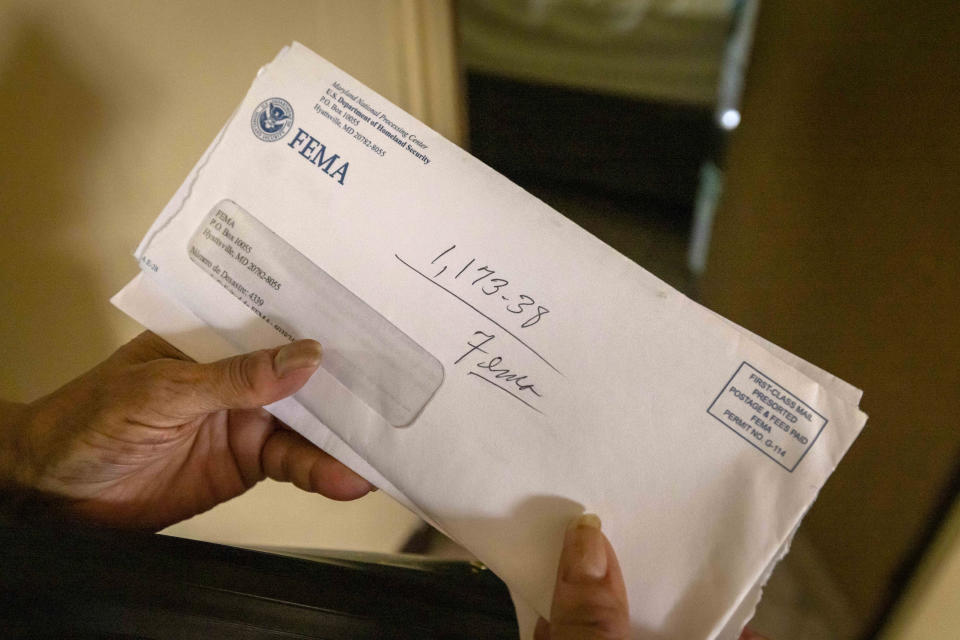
point(493, 286)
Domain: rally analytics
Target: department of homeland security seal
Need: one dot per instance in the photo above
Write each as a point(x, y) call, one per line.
point(272, 119)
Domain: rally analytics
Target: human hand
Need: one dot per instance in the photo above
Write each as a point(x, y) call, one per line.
point(590, 598)
point(148, 437)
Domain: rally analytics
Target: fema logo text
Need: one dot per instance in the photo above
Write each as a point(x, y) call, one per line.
point(272, 119)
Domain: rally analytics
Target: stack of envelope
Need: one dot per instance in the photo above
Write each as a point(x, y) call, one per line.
point(488, 363)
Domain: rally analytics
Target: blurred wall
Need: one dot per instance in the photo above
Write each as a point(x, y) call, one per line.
point(929, 610)
point(839, 239)
point(105, 108)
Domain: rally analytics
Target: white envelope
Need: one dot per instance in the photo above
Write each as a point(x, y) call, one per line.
point(498, 367)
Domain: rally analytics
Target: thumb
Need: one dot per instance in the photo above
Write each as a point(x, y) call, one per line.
point(246, 381)
point(590, 599)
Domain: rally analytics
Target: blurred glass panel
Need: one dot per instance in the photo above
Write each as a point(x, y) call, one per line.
point(628, 102)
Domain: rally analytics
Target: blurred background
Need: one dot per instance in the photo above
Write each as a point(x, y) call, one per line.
point(793, 166)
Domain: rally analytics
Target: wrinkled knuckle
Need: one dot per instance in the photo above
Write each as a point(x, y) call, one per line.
point(241, 380)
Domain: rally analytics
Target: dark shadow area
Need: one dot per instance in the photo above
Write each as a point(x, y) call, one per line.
point(538, 133)
point(66, 579)
point(52, 324)
point(626, 170)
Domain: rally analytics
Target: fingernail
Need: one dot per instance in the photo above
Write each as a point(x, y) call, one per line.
point(297, 355)
point(587, 520)
point(587, 559)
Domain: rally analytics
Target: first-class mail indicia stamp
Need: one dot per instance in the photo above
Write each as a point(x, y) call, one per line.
point(772, 419)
